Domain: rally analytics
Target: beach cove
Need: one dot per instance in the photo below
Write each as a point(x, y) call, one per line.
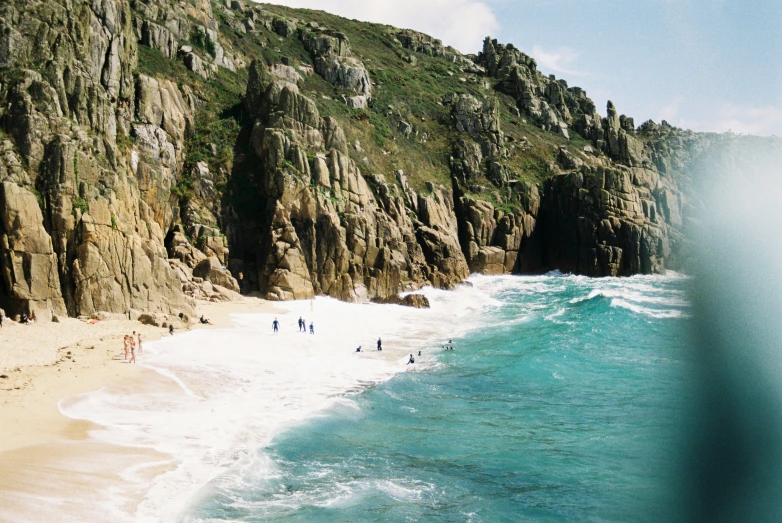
point(234, 422)
point(60, 456)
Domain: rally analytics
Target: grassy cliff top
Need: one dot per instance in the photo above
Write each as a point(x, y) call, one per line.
point(408, 88)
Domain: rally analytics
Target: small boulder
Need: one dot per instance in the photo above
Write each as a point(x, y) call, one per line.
point(149, 319)
point(284, 27)
point(228, 294)
point(211, 270)
point(418, 301)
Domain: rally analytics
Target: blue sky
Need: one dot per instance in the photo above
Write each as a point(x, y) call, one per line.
point(701, 64)
point(707, 65)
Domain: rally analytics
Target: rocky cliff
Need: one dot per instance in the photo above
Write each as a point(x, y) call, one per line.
point(156, 149)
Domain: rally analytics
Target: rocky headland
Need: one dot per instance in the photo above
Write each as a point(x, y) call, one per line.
point(153, 151)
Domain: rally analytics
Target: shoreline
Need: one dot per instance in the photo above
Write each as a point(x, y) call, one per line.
point(48, 456)
point(237, 389)
point(45, 363)
point(157, 437)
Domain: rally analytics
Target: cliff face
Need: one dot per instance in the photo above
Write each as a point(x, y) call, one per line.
point(322, 228)
point(83, 216)
point(147, 146)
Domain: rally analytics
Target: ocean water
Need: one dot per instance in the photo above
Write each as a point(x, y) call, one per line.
point(561, 401)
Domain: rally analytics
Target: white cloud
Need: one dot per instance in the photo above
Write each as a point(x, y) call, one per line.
point(559, 60)
point(462, 24)
point(744, 119)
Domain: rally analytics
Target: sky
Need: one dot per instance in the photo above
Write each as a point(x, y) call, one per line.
point(705, 65)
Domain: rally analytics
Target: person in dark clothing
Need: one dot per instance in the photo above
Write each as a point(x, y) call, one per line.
point(411, 360)
point(171, 329)
point(358, 349)
point(419, 352)
point(275, 325)
point(379, 344)
point(312, 328)
point(301, 322)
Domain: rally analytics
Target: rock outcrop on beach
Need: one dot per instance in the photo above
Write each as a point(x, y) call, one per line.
point(155, 151)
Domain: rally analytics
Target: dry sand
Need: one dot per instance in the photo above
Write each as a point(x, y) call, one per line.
point(48, 465)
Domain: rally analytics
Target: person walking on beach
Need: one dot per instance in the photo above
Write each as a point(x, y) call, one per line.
point(312, 328)
point(139, 343)
point(301, 323)
point(275, 325)
point(171, 329)
point(379, 344)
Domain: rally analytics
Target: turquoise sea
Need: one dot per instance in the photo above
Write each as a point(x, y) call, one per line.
point(561, 401)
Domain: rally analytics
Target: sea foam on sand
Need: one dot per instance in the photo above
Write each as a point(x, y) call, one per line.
point(238, 387)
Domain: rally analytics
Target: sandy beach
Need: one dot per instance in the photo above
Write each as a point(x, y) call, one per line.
point(46, 456)
point(85, 436)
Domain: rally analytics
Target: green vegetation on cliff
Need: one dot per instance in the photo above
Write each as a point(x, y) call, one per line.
point(408, 90)
point(146, 145)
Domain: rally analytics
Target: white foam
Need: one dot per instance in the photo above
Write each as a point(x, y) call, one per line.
point(633, 295)
point(239, 387)
point(640, 294)
point(653, 313)
point(554, 315)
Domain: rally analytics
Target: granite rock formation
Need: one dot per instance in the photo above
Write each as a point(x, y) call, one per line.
point(155, 150)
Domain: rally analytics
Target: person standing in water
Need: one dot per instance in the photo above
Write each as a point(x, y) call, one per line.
point(411, 360)
point(312, 328)
point(379, 344)
point(275, 325)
